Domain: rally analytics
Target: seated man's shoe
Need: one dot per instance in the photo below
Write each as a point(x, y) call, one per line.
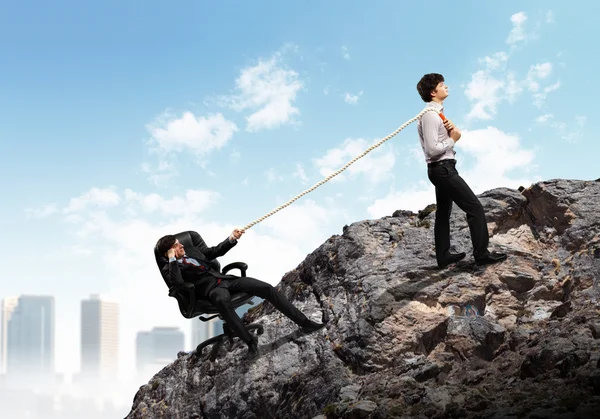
point(452, 258)
point(490, 258)
point(309, 326)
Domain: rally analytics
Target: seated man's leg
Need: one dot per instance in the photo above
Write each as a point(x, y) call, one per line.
point(221, 298)
point(268, 292)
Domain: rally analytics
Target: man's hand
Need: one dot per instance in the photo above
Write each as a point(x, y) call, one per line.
point(449, 125)
point(171, 253)
point(236, 234)
point(455, 134)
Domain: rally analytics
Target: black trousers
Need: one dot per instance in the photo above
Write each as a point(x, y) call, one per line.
point(450, 187)
point(221, 298)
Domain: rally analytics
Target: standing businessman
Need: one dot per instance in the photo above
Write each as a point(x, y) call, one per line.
point(437, 140)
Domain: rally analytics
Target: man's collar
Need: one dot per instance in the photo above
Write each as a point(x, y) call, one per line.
point(434, 105)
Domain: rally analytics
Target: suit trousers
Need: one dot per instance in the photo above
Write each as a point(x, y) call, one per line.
point(221, 298)
point(449, 188)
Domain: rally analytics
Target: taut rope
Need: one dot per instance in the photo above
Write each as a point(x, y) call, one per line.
point(315, 186)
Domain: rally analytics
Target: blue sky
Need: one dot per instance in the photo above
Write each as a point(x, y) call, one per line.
point(123, 121)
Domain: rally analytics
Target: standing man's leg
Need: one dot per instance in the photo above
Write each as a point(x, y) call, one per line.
point(442, 218)
point(466, 200)
point(442, 225)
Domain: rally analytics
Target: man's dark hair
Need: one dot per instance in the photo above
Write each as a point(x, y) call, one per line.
point(427, 84)
point(165, 243)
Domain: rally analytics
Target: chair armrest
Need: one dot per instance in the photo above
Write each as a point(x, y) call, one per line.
point(185, 288)
point(236, 265)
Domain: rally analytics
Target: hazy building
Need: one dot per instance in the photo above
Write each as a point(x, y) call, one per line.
point(30, 338)
point(206, 330)
point(99, 338)
point(157, 348)
point(6, 310)
point(203, 330)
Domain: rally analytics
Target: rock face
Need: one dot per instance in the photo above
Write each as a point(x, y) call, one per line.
point(405, 339)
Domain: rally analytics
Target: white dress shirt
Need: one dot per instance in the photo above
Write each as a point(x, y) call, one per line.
point(435, 140)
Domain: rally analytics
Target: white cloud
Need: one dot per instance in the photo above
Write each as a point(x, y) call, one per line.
point(549, 16)
point(269, 90)
point(235, 157)
point(496, 154)
point(571, 135)
point(272, 175)
point(513, 87)
point(376, 166)
point(517, 33)
point(540, 97)
point(544, 118)
point(496, 61)
point(412, 199)
point(486, 91)
point(194, 201)
point(198, 134)
point(326, 90)
point(42, 212)
point(95, 197)
point(536, 73)
point(352, 99)
point(345, 53)
point(160, 174)
point(300, 173)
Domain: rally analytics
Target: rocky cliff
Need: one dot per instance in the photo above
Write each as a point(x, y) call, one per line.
point(519, 339)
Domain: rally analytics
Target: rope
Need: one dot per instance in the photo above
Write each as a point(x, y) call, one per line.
point(316, 185)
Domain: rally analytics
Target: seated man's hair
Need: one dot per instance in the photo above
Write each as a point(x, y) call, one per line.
point(165, 243)
point(427, 84)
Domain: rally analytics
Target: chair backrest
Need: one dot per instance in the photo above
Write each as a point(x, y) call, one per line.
point(186, 239)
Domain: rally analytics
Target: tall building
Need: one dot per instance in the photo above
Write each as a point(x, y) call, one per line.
point(30, 338)
point(99, 338)
point(158, 347)
point(7, 308)
point(203, 330)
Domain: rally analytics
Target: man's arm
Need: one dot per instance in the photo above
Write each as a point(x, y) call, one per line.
point(430, 125)
point(215, 251)
point(171, 272)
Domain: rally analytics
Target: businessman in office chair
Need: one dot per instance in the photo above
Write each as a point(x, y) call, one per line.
point(192, 265)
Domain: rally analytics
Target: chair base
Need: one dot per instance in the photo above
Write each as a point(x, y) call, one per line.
point(217, 341)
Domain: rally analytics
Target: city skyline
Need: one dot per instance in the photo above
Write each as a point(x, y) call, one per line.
point(27, 325)
point(100, 319)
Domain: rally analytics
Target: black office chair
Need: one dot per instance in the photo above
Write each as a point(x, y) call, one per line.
point(190, 307)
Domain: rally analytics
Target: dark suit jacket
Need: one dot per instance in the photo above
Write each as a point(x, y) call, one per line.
point(204, 278)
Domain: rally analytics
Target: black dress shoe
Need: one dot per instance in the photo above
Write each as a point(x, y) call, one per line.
point(311, 326)
point(452, 258)
point(493, 257)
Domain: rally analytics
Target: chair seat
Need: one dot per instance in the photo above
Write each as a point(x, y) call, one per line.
point(207, 307)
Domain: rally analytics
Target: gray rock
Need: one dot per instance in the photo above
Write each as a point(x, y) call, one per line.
point(400, 341)
point(362, 409)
